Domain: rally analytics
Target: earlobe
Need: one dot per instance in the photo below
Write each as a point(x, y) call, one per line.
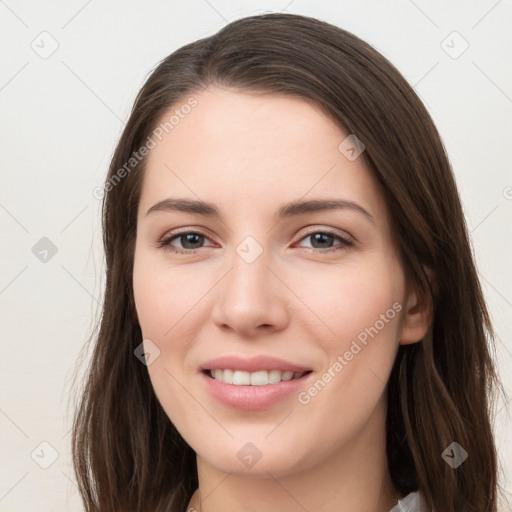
point(419, 313)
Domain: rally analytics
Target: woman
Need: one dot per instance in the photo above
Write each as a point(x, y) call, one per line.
point(240, 363)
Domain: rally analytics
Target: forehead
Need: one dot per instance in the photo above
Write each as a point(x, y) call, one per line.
point(242, 150)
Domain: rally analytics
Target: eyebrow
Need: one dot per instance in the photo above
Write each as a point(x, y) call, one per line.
point(286, 210)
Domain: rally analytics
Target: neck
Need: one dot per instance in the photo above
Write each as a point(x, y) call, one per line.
point(353, 477)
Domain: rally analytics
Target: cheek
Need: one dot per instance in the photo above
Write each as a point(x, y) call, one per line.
point(350, 301)
point(359, 335)
point(363, 311)
point(164, 296)
point(164, 307)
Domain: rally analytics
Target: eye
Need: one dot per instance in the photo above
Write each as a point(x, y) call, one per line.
point(191, 241)
point(322, 240)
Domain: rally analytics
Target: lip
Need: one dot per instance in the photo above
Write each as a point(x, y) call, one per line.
point(252, 398)
point(252, 364)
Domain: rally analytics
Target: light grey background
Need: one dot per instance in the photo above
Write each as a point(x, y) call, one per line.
point(62, 115)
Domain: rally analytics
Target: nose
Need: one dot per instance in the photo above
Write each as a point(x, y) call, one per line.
point(251, 299)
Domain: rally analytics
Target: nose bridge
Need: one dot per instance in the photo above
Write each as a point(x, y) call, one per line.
point(250, 263)
point(249, 278)
point(250, 295)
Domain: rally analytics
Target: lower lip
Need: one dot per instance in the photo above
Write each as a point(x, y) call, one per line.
point(252, 398)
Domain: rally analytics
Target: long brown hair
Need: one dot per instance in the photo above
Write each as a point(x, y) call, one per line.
point(127, 454)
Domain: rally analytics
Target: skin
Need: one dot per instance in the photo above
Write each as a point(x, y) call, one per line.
point(248, 155)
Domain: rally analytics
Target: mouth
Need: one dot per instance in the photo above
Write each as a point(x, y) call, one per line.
point(253, 390)
point(257, 378)
point(253, 383)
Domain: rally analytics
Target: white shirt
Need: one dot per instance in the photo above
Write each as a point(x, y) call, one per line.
point(413, 502)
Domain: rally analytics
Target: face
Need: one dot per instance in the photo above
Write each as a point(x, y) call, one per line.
point(316, 293)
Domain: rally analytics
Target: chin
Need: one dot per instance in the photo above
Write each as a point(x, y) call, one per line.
point(255, 460)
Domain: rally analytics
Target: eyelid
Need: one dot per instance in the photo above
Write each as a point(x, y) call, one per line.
point(316, 228)
point(165, 240)
point(346, 238)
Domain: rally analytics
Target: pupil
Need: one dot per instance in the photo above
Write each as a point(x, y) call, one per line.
point(189, 238)
point(319, 237)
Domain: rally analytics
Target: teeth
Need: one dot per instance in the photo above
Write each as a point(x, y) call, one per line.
point(261, 378)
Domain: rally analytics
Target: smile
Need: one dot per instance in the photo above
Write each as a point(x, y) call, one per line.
point(258, 378)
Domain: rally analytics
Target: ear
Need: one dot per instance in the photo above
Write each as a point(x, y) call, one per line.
point(419, 313)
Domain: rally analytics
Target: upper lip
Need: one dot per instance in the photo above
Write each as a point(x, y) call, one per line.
point(252, 364)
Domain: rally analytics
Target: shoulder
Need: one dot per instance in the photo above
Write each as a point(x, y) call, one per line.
point(413, 502)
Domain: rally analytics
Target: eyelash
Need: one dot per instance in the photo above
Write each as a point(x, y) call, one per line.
point(165, 243)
